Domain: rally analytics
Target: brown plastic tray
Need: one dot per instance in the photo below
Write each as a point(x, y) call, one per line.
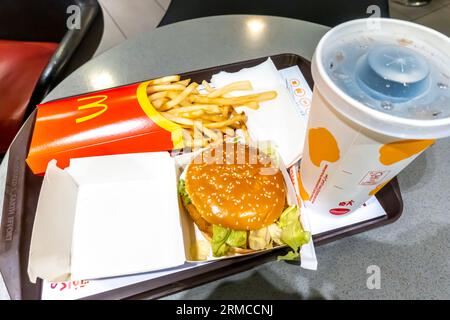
point(22, 191)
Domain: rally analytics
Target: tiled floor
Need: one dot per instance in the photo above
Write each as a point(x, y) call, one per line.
point(125, 19)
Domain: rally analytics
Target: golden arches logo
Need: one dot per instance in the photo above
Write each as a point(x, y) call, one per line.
point(95, 104)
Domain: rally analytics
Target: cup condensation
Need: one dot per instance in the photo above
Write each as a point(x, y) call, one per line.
point(351, 151)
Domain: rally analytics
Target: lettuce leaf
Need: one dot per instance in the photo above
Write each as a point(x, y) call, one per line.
point(291, 255)
point(182, 191)
point(237, 239)
point(224, 238)
point(218, 242)
point(290, 214)
point(292, 232)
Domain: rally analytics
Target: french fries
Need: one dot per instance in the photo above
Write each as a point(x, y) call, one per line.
point(234, 120)
point(240, 85)
point(157, 95)
point(159, 102)
point(208, 108)
point(180, 120)
point(252, 105)
point(207, 86)
point(184, 94)
point(236, 101)
point(209, 118)
point(167, 79)
point(165, 87)
point(184, 82)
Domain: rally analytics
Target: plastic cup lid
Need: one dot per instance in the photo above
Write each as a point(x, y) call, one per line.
point(395, 72)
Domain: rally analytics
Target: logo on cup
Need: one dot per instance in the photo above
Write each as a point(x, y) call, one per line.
point(339, 211)
point(346, 203)
point(373, 177)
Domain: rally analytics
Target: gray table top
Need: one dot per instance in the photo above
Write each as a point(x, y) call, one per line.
point(412, 254)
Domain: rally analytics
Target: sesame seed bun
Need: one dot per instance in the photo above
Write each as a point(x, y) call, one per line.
point(236, 186)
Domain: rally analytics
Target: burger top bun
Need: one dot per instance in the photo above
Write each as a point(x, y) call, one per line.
point(236, 186)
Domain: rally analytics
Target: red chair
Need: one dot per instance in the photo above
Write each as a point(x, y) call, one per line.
point(37, 51)
point(21, 64)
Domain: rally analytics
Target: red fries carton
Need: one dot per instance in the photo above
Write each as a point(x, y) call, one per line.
point(112, 121)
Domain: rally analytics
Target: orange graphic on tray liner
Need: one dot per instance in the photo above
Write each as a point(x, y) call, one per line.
point(400, 150)
point(322, 146)
point(303, 193)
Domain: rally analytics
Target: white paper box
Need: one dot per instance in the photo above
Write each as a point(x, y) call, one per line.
point(107, 216)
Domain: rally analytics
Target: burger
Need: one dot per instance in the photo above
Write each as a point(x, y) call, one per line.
point(237, 196)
